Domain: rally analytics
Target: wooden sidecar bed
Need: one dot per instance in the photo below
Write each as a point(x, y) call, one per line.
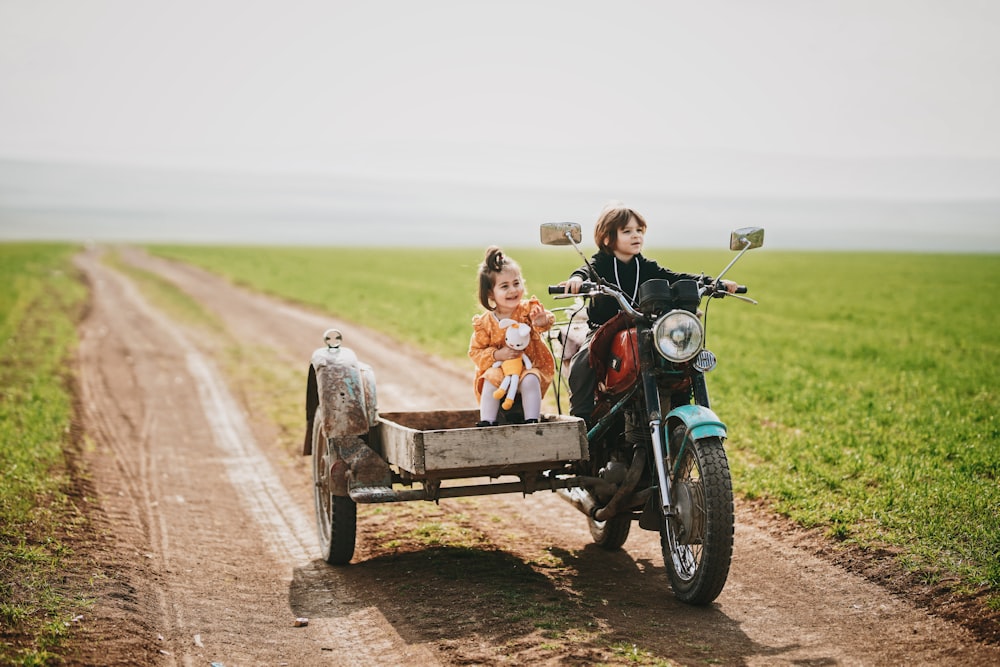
point(430, 447)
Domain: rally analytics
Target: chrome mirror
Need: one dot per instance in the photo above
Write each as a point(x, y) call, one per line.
point(746, 238)
point(560, 233)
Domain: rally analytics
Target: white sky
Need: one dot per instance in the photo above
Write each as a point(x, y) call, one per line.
point(704, 96)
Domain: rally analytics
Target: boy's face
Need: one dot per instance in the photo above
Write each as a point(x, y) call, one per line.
point(628, 244)
point(508, 288)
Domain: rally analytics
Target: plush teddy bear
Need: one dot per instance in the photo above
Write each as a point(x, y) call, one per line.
point(517, 337)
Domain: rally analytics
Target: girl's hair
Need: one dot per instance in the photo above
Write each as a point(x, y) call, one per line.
point(494, 263)
point(614, 217)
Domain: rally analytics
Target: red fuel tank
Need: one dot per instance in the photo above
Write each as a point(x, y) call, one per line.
point(623, 362)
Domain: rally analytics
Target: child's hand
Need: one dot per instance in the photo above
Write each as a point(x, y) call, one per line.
point(540, 317)
point(505, 353)
point(572, 286)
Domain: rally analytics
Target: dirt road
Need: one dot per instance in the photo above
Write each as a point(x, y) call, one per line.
point(209, 552)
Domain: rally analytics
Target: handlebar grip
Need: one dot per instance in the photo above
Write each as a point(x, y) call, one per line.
point(585, 286)
point(741, 289)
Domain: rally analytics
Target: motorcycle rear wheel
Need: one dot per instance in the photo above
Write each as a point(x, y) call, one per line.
point(610, 534)
point(336, 516)
point(697, 542)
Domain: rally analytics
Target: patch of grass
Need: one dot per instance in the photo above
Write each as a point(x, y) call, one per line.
point(548, 560)
point(860, 395)
point(40, 303)
point(632, 654)
point(444, 534)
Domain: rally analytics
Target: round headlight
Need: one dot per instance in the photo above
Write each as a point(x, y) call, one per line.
point(679, 335)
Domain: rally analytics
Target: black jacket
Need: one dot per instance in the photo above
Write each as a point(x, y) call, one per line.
point(603, 308)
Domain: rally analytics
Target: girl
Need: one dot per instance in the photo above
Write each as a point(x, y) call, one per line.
point(501, 293)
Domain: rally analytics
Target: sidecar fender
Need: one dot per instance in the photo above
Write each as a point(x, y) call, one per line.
point(341, 389)
point(699, 420)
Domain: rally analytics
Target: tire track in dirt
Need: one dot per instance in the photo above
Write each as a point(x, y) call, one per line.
point(289, 534)
point(128, 487)
point(781, 605)
point(163, 454)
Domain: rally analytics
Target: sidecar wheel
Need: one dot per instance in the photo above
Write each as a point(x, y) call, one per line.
point(610, 534)
point(336, 516)
point(697, 542)
point(339, 549)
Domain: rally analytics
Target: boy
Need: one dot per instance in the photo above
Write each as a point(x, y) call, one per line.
point(619, 236)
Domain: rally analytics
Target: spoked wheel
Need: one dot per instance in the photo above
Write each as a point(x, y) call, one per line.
point(697, 541)
point(336, 516)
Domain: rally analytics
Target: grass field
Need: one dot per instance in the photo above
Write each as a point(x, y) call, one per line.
point(40, 305)
point(861, 394)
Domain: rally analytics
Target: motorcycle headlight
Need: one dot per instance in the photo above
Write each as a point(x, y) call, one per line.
point(679, 335)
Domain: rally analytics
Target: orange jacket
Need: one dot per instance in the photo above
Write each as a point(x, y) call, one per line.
point(487, 337)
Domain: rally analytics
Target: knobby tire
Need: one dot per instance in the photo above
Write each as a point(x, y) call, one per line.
point(706, 470)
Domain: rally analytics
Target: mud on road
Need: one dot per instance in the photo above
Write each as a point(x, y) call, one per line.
point(205, 548)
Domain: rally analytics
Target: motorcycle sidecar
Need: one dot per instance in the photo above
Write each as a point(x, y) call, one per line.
point(361, 456)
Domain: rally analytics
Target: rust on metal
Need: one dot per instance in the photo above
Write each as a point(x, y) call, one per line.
point(341, 391)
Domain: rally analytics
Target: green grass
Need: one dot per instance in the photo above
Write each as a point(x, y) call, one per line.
point(864, 401)
point(40, 303)
point(860, 394)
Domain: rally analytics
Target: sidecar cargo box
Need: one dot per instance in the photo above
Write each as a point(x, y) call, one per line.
point(446, 443)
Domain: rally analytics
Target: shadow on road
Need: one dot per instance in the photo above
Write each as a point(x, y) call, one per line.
point(594, 602)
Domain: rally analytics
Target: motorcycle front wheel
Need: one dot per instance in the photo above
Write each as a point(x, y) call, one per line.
point(697, 540)
point(336, 516)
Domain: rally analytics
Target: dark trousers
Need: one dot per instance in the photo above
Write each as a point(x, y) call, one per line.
point(582, 383)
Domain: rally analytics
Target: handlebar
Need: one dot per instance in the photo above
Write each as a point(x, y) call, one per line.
point(588, 286)
point(585, 286)
point(708, 288)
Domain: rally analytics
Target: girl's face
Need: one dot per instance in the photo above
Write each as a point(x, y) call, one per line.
point(628, 244)
point(508, 289)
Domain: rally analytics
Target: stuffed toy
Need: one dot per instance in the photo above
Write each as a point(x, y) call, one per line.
point(517, 337)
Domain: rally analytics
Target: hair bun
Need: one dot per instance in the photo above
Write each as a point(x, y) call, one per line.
point(494, 258)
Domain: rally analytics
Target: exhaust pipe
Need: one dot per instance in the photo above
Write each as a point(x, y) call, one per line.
point(579, 498)
point(625, 490)
point(585, 502)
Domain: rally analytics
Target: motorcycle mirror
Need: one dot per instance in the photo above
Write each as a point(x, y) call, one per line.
point(560, 233)
point(746, 238)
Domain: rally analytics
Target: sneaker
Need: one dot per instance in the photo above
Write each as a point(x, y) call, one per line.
point(483, 424)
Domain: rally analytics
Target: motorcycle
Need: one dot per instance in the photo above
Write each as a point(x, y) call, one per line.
point(653, 437)
point(653, 451)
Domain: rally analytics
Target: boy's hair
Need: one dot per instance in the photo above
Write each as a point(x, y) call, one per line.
point(494, 262)
point(614, 217)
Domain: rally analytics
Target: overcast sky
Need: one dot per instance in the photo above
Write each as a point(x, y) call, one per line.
point(856, 97)
point(335, 84)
